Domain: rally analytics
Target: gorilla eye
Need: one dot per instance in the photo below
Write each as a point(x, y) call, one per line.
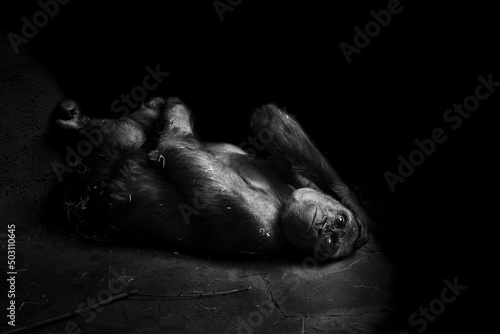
point(340, 221)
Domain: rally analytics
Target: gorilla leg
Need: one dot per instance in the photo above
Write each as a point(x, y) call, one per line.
point(148, 114)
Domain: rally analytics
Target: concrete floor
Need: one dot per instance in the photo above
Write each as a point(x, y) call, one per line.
point(286, 295)
point(289, 292)
point(374, 291)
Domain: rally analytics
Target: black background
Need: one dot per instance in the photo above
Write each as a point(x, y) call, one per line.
point(363, 114)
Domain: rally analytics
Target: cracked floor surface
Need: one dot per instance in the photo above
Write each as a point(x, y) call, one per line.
point(369, 292)
point(289, 293)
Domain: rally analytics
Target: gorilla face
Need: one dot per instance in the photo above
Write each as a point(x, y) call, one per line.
point(317, 222)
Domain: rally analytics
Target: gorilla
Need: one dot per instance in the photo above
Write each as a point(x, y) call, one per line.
point(149, 177)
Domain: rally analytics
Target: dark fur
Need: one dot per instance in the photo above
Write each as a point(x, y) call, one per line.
point(150, 168)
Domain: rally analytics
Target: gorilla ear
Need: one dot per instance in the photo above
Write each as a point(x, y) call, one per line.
point(74, 118)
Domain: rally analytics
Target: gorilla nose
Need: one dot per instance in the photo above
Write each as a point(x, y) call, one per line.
point(309, 214)
point(311, 211)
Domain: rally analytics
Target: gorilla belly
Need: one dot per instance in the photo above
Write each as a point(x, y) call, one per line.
point(258, 173)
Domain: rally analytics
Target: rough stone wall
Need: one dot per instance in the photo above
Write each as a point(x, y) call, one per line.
point(28, 96)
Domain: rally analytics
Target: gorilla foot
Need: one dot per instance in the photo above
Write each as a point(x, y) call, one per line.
point(176, 118)
point(74, 119)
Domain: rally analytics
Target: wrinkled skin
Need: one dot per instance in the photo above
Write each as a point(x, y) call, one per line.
point(149, 177)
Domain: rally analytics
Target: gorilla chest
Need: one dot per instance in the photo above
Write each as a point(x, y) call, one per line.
point(258, 173)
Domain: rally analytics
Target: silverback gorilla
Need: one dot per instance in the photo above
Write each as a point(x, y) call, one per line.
point(150, 177)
